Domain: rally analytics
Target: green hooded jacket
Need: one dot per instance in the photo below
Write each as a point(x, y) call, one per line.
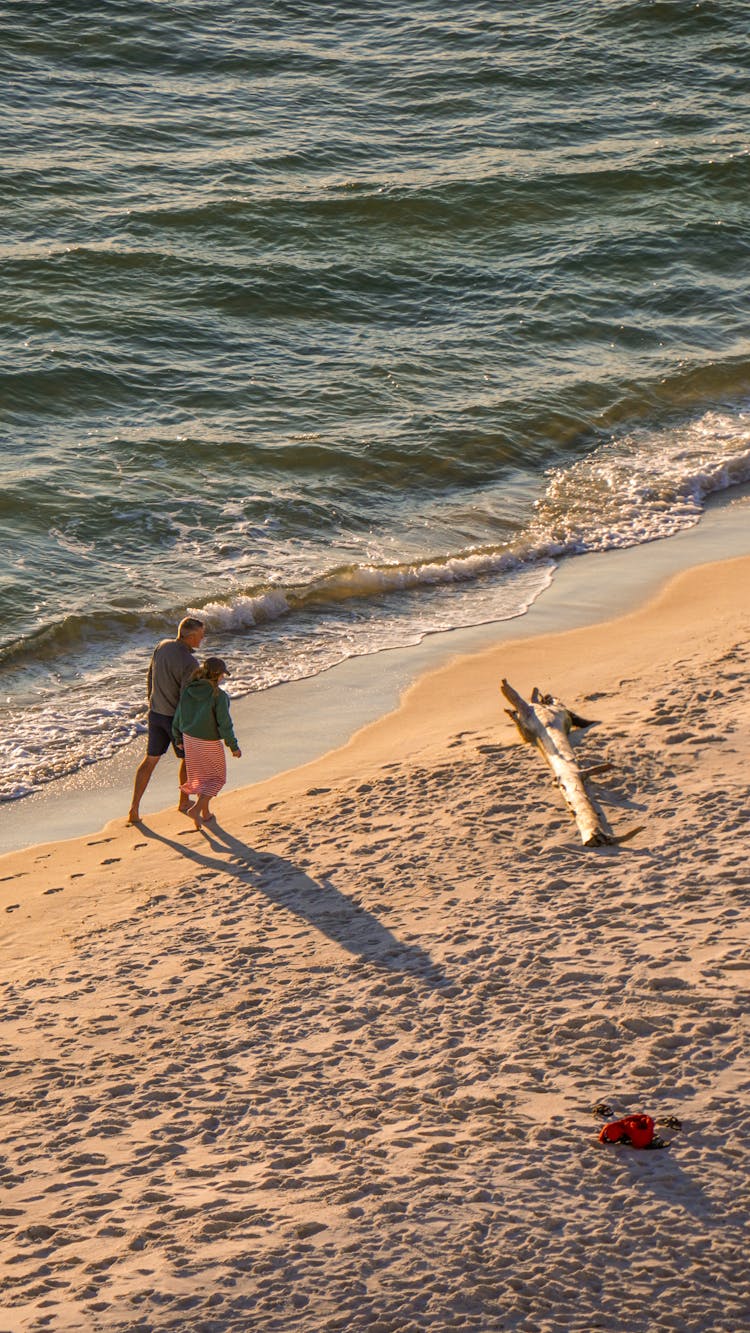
point(204, 712)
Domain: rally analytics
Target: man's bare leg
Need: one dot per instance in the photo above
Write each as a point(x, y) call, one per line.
point(142, 779)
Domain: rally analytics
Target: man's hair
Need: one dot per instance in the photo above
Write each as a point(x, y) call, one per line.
point(188, 626)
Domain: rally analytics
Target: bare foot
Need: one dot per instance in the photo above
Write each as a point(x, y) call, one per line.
point(133, 817)
point(184, 806)
point(192, 812)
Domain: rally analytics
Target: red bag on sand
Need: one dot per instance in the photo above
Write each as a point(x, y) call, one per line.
point(637, 1130)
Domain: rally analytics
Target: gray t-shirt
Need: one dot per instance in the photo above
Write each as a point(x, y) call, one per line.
point(172, 665)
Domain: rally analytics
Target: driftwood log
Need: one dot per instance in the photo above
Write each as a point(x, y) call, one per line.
point(547, 723)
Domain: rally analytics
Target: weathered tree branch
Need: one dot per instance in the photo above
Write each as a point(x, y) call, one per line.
point(547, 723)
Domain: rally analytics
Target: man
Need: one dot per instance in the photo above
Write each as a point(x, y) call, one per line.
point(172, 665)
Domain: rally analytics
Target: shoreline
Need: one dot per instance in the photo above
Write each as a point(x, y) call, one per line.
point(418, 726)
point(296, 723)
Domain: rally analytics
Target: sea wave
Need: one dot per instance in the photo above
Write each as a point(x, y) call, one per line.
point(637, 488)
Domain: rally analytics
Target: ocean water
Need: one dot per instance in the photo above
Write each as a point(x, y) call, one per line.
point(340, 325)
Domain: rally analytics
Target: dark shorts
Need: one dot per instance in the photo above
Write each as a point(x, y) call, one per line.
point(160, 735)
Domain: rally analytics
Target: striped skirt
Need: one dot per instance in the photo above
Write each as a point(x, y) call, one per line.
point(206, 766)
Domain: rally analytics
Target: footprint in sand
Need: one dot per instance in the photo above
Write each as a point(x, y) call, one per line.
point(110, 860)
point(59, 889)
point(13, 907)
point(97, 842)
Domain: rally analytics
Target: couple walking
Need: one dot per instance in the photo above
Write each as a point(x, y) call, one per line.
point(187, 710)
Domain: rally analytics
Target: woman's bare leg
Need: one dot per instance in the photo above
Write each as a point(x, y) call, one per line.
point(194, 812)
point(200, 810)
point(182, 779)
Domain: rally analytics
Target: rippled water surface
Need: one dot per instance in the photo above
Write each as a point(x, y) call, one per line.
point(339, 326)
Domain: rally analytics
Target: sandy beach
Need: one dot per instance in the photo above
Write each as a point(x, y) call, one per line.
point(331, 1063)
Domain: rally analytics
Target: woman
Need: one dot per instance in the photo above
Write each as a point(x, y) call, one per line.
point(201, 723)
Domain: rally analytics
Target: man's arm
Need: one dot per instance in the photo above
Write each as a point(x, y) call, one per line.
point(188, 670)
point(177, 729)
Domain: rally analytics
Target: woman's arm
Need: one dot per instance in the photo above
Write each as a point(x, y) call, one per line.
point(224, 722)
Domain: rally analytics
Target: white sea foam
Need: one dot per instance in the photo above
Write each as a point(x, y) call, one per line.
point(51, 742)
point(642, 486)
point(243, 612)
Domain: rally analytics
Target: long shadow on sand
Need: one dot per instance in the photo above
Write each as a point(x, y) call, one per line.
point(663, 1176)
point(318, 902)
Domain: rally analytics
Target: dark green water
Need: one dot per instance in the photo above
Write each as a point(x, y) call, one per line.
point(341, 327)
